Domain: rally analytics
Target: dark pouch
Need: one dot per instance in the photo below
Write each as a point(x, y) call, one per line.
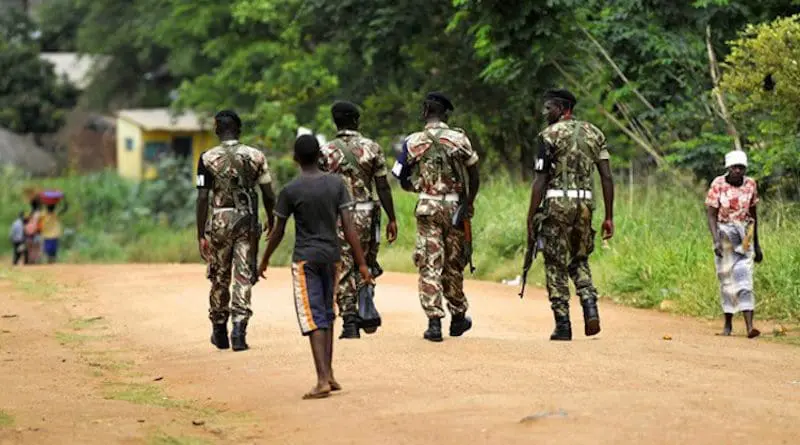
point(369, 318)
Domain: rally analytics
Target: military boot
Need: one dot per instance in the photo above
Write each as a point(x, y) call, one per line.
point(238, 335)
point(350, 327)
point(219, 335)
point(434, 332)
point(591, 318)
point(563, 330)
point(460, 324)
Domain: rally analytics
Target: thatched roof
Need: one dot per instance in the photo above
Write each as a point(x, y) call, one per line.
point(24, 154)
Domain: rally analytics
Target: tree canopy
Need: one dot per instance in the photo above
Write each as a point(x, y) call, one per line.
point(643, 70)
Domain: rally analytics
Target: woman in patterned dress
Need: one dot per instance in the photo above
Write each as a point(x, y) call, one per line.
point(733, 222)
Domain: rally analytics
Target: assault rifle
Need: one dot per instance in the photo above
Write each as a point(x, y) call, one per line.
point(531, 250)
point(461, 217)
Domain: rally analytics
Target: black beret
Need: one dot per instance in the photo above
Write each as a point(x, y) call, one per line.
point(440, 98)
point(562, 95)
point(344, 108)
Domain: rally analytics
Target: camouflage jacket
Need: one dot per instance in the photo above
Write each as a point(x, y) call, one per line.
point(357, 159)
point(232, 171)
point(568, 152)
point(431, 168)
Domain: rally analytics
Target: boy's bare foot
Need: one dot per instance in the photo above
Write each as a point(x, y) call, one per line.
point(318, 392)
point(753, 333)
point(335, 386)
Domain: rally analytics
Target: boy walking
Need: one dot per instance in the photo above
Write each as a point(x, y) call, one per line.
point(17, 237)
point(317, 200)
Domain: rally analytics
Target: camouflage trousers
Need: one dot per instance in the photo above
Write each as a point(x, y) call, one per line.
point(439, 256)
point(230, 255)
point(568, 242)
point(350, 277)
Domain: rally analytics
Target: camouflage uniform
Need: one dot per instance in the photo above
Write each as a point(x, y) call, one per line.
point(358, 161)
point(232, 171)
point(569, 150)
point(439, 253)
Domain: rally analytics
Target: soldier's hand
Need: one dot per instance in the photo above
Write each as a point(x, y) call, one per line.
point(759, 255)
point(608, 229)
point(262, 270)
point(365, 275)
point(391, 231)
point(718, 249)
point(204, 249)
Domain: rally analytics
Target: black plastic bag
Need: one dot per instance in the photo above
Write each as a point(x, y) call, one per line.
point(369, 318)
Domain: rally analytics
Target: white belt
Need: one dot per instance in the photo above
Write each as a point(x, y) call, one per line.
point(223, 209)
point(368, 205)
point(450, 197)
point(587, 194)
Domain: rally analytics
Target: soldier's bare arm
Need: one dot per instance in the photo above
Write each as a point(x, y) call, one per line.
point(268, 198)
point(204, 182)
point(604, 167)
point(352, 239)
point(474, 183)
point(385, 195)
point(275, 238)
point(540, 182)
point(201, 215)
point(537, 196)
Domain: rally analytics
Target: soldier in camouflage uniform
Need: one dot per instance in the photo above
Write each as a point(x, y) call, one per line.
point(360, 162)
point(229, 239)
point(432, 164)
point(569, 149)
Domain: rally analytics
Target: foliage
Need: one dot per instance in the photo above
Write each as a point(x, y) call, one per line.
point(32, 99)
point(768, 49)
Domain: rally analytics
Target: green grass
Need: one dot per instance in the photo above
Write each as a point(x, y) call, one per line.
point(31, 286)
point(73, 338)
point(142, 394)
point(165, 439)
point(152, 395)
point(661, 250)
point(6, 419)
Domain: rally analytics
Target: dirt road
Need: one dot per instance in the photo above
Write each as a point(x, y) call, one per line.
point(120, 354)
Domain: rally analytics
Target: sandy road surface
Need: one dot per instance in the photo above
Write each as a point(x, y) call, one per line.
point(63, 371)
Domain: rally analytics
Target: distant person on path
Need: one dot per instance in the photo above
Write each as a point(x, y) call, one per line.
point(317, 200)
point(51, 227)
point(51, 233)
point(733, 223)
point(360, 162)
point(569, 149)
point(33, 238)
point(17, 237)
point(440, 164)
point(228, 241)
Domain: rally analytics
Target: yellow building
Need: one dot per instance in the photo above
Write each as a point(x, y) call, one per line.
point(145, 135)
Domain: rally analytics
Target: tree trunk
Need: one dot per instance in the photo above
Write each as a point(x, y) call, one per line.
point(714, 68)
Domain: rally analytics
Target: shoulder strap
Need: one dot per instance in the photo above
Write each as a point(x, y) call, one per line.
point(349, 157)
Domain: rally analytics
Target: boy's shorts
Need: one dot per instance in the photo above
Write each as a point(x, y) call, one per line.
point(51, 247)
point(314, 294)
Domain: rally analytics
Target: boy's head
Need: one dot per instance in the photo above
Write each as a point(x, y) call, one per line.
point(227, 124)
point(306, 150)
point(51, 208)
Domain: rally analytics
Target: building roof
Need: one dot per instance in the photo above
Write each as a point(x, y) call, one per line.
point(161, 119)
point(24, 154)
point(77, 68)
